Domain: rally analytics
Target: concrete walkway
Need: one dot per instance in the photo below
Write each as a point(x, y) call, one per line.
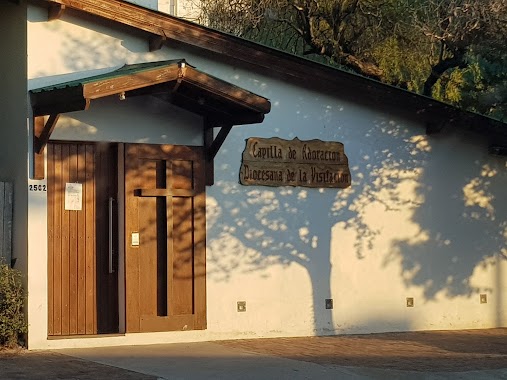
point(215, 361)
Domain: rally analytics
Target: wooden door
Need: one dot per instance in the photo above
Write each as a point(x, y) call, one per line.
point(82, 281)
point(166, 237)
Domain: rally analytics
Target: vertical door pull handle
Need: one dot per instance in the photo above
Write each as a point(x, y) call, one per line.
point(111, 234)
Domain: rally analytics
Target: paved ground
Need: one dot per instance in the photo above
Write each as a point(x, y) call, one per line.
point(466, 354)
point(464, 350)
point(40, 365)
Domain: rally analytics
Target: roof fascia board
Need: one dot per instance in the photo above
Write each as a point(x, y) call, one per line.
point(226, 90)
point(112, 86)
point(213, 113)
point(67, 100)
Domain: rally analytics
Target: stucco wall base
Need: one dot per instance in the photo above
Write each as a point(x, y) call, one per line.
point(158, 338)
point(139, 339)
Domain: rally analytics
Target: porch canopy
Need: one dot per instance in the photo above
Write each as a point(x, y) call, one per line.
point(221, 104)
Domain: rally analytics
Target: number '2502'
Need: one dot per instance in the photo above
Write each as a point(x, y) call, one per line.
point(37, 187)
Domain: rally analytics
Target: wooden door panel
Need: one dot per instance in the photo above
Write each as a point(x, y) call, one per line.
point(183, 256)
point(149, 264)
point(165, 204)
point(82, 295)
point(73, 232)
point(66, 250)
point(82, 317)
point(169, 323)
point(66, 264)
point(90, 242)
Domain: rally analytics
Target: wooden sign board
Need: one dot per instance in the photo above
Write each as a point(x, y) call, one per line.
point(278, 162)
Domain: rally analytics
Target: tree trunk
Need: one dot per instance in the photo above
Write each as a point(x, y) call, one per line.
point(440, 68)
point(364, 68)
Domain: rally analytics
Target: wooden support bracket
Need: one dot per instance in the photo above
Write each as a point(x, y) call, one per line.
point(210, 167)
point(55, 11)
point(434, 127)
point(212, 146)
point(37, 158)
point(41, 134)
point(217, 142)
point(156, 42)
point(42, 139)
point(498, 150)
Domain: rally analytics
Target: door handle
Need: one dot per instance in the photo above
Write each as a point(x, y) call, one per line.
point(111, 234)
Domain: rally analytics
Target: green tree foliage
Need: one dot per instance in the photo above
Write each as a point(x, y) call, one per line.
point(481, 86)
point(12, 319)
point(453, 50)
point(456, 28)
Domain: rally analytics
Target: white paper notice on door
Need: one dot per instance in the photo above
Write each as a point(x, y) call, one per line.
point(74, 196)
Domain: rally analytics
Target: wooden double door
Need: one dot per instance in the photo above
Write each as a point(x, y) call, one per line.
point(125, 220)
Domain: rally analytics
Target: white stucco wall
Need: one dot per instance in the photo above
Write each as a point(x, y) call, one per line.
point(424, 217)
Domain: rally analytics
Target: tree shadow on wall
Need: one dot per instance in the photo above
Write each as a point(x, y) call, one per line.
point(429, 213)
point(462, 244)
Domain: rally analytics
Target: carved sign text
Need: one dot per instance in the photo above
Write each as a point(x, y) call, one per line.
point(278, 162)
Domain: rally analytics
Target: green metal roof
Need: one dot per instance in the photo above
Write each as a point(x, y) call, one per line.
point(195, 91)
point(122, 71)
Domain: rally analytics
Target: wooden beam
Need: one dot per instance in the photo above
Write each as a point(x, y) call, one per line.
point(155, 90)
point(217, 142)
point(49, 109)
point(215, 113)
point(156, 42)
point(101, 88)
point(41, 134)
point(37, 158)
point(434, 127)
point(226, 90)
point(44, 136)
point(164, 193)
point(55, 11)
point(498, 150)
point(210, 165)
point(59, 100)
